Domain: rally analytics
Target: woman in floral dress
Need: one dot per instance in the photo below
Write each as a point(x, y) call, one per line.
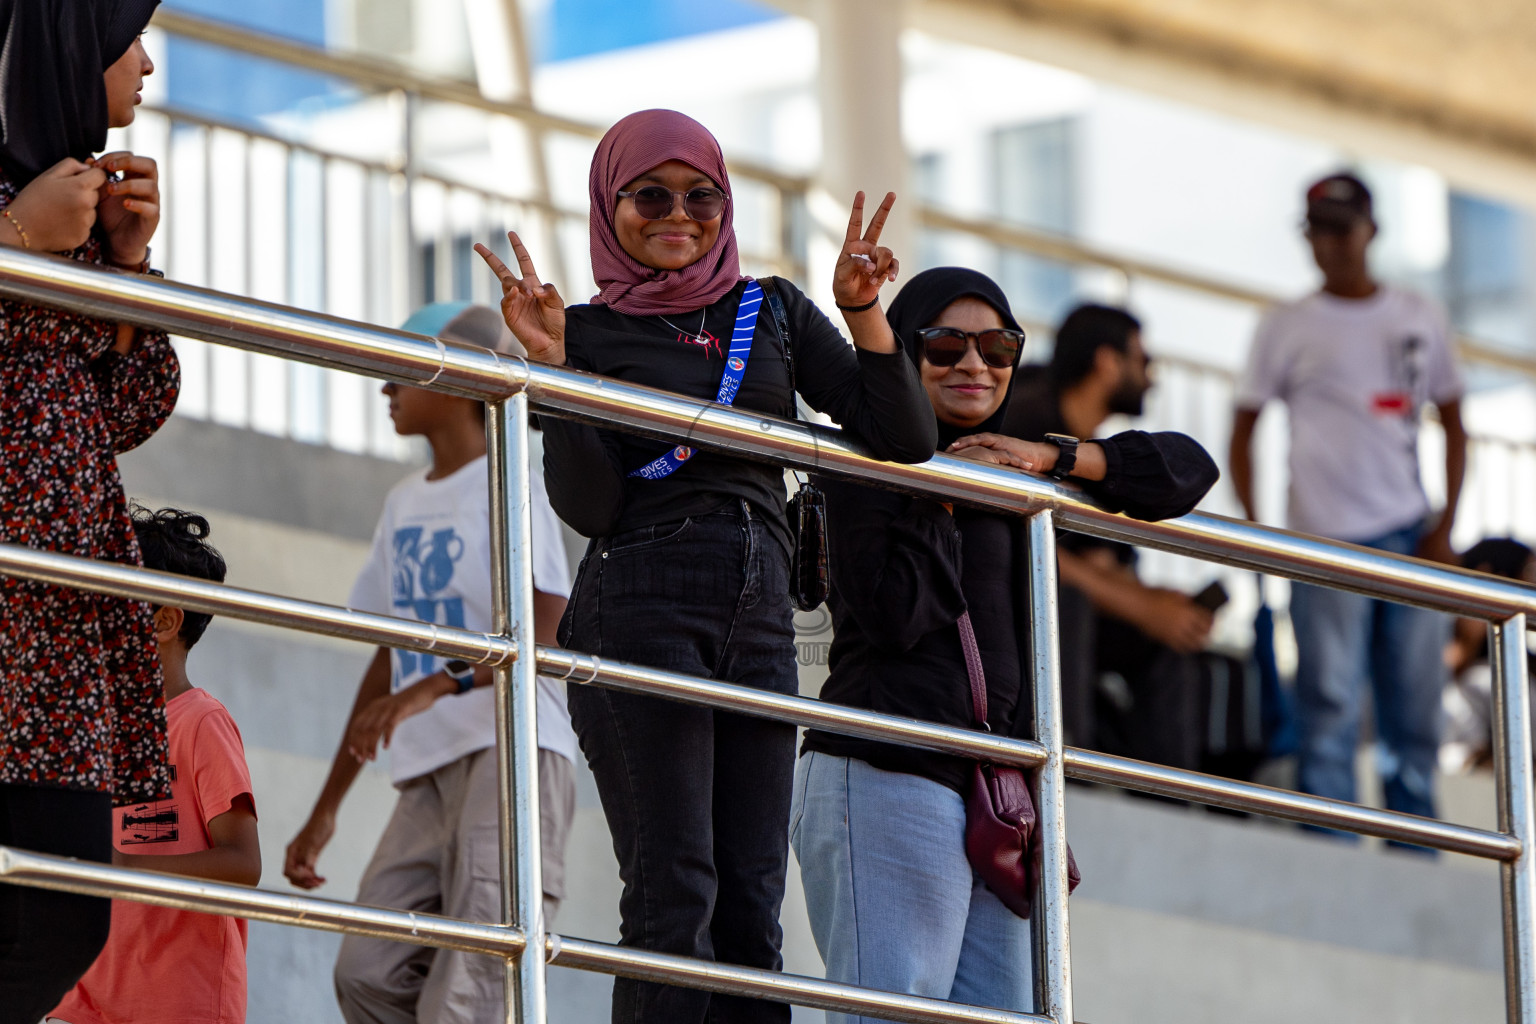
point(82, 721)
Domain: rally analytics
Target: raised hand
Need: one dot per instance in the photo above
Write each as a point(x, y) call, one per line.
point(864, 265)
point(534, 311)
point(57, 209)
point(128, 209)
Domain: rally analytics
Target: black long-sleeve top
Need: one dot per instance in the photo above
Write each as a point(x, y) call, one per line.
point(903, 569)
point(877, 397)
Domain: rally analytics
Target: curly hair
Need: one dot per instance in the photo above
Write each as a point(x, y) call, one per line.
point(173, 540)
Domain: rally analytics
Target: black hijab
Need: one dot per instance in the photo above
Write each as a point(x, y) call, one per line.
point(52, 56)
point(919, 304)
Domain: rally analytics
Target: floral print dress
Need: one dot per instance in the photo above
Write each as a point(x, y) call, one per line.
point(81, 697)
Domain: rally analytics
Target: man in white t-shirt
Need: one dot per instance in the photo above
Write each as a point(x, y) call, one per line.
point(439, 853)
point(1356, 363)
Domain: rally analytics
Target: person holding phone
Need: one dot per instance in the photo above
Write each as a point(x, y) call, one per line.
point(1114, 627)
point(688, 565)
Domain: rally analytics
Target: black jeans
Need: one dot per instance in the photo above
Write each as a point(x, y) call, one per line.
point(697, 800)
point(49, 939)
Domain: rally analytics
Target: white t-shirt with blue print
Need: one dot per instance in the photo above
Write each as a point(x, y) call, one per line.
point(431, 561)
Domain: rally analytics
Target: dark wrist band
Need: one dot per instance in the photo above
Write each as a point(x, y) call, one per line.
point(858, 309)
point(1066, 455)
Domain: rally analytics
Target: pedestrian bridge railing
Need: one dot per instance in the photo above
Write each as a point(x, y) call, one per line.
point(511, 387)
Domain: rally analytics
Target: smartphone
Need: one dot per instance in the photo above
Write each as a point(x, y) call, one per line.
point(1212, 597)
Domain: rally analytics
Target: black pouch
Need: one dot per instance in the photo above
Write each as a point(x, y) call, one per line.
point(808, 564)
point(807, 510)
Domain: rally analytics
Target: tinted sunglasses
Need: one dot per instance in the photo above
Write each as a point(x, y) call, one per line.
point(945, 346)
point(653, 202)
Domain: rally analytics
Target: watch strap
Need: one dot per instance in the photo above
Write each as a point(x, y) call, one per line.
point(462, 673)
point(1066, 455)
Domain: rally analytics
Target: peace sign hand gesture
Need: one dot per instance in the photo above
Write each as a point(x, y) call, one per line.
point(863, 266)
point(534, 311)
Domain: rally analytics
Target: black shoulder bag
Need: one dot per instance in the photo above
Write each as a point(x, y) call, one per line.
point(807, 510)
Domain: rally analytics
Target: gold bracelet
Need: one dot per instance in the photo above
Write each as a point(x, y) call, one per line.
point(26, 243)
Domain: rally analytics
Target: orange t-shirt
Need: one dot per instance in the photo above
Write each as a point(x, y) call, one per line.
point(174, 966)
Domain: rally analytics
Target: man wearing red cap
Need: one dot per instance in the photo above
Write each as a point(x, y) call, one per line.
point(1355, 363)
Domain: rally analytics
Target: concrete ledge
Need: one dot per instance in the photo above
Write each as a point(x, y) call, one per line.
point(208, 466)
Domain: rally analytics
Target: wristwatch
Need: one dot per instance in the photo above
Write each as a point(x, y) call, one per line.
point(1066, 457)
point(462, 673)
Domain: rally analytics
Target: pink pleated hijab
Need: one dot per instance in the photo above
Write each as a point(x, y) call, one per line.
point(634, 145)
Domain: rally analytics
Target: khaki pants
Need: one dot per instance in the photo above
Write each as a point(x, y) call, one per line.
point(440, 855)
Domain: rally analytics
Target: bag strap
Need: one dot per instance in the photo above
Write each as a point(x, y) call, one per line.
point(747, 311)
point(973, 669)
point(781, 326)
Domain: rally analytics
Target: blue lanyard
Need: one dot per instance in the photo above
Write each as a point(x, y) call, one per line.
point(730, 381)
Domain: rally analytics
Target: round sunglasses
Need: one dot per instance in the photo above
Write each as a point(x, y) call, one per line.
point(653, 202)
point(945, 346)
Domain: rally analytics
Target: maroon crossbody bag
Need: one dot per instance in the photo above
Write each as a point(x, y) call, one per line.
point(1001, 840)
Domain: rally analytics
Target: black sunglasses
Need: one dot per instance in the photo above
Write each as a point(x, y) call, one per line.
point(653, 202)
point(945, 346)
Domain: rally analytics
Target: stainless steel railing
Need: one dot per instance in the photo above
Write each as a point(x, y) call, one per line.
point(380, 192)
point(511, 386)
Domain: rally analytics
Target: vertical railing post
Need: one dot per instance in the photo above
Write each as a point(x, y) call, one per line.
point(410, 167)
point(1512, 761)
point(1053, 947)
point(517, 741)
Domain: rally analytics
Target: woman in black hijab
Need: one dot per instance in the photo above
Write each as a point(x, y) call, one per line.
point(82, 718)
point(879, 829)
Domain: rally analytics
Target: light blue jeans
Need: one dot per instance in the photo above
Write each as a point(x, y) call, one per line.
point(893, 901)
point(1346, 641)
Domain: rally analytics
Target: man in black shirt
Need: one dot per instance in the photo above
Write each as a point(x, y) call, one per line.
point(1112, 624)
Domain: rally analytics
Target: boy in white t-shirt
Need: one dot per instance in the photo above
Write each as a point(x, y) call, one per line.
point(1356, 363)
point(439, 853)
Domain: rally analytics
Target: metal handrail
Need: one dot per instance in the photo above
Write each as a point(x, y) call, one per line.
point(208, 122)
point(413, 635)
point(387, 75)
point(1066, 249)
point(375, 351)
point(512, 385)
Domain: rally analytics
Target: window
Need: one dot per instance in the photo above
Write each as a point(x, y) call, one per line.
point(1491, 274)
point(1033, 174)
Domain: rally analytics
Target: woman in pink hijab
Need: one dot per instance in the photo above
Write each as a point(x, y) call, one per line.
point(687, 569)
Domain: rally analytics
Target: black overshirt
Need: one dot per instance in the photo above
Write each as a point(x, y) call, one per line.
point(877, 397)
point(903, 569)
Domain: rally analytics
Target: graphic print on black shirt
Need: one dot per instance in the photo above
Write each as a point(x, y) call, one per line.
point(705, 341)
point(158, 821)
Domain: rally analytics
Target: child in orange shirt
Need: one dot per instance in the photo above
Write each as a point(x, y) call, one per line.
point(174, 966)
